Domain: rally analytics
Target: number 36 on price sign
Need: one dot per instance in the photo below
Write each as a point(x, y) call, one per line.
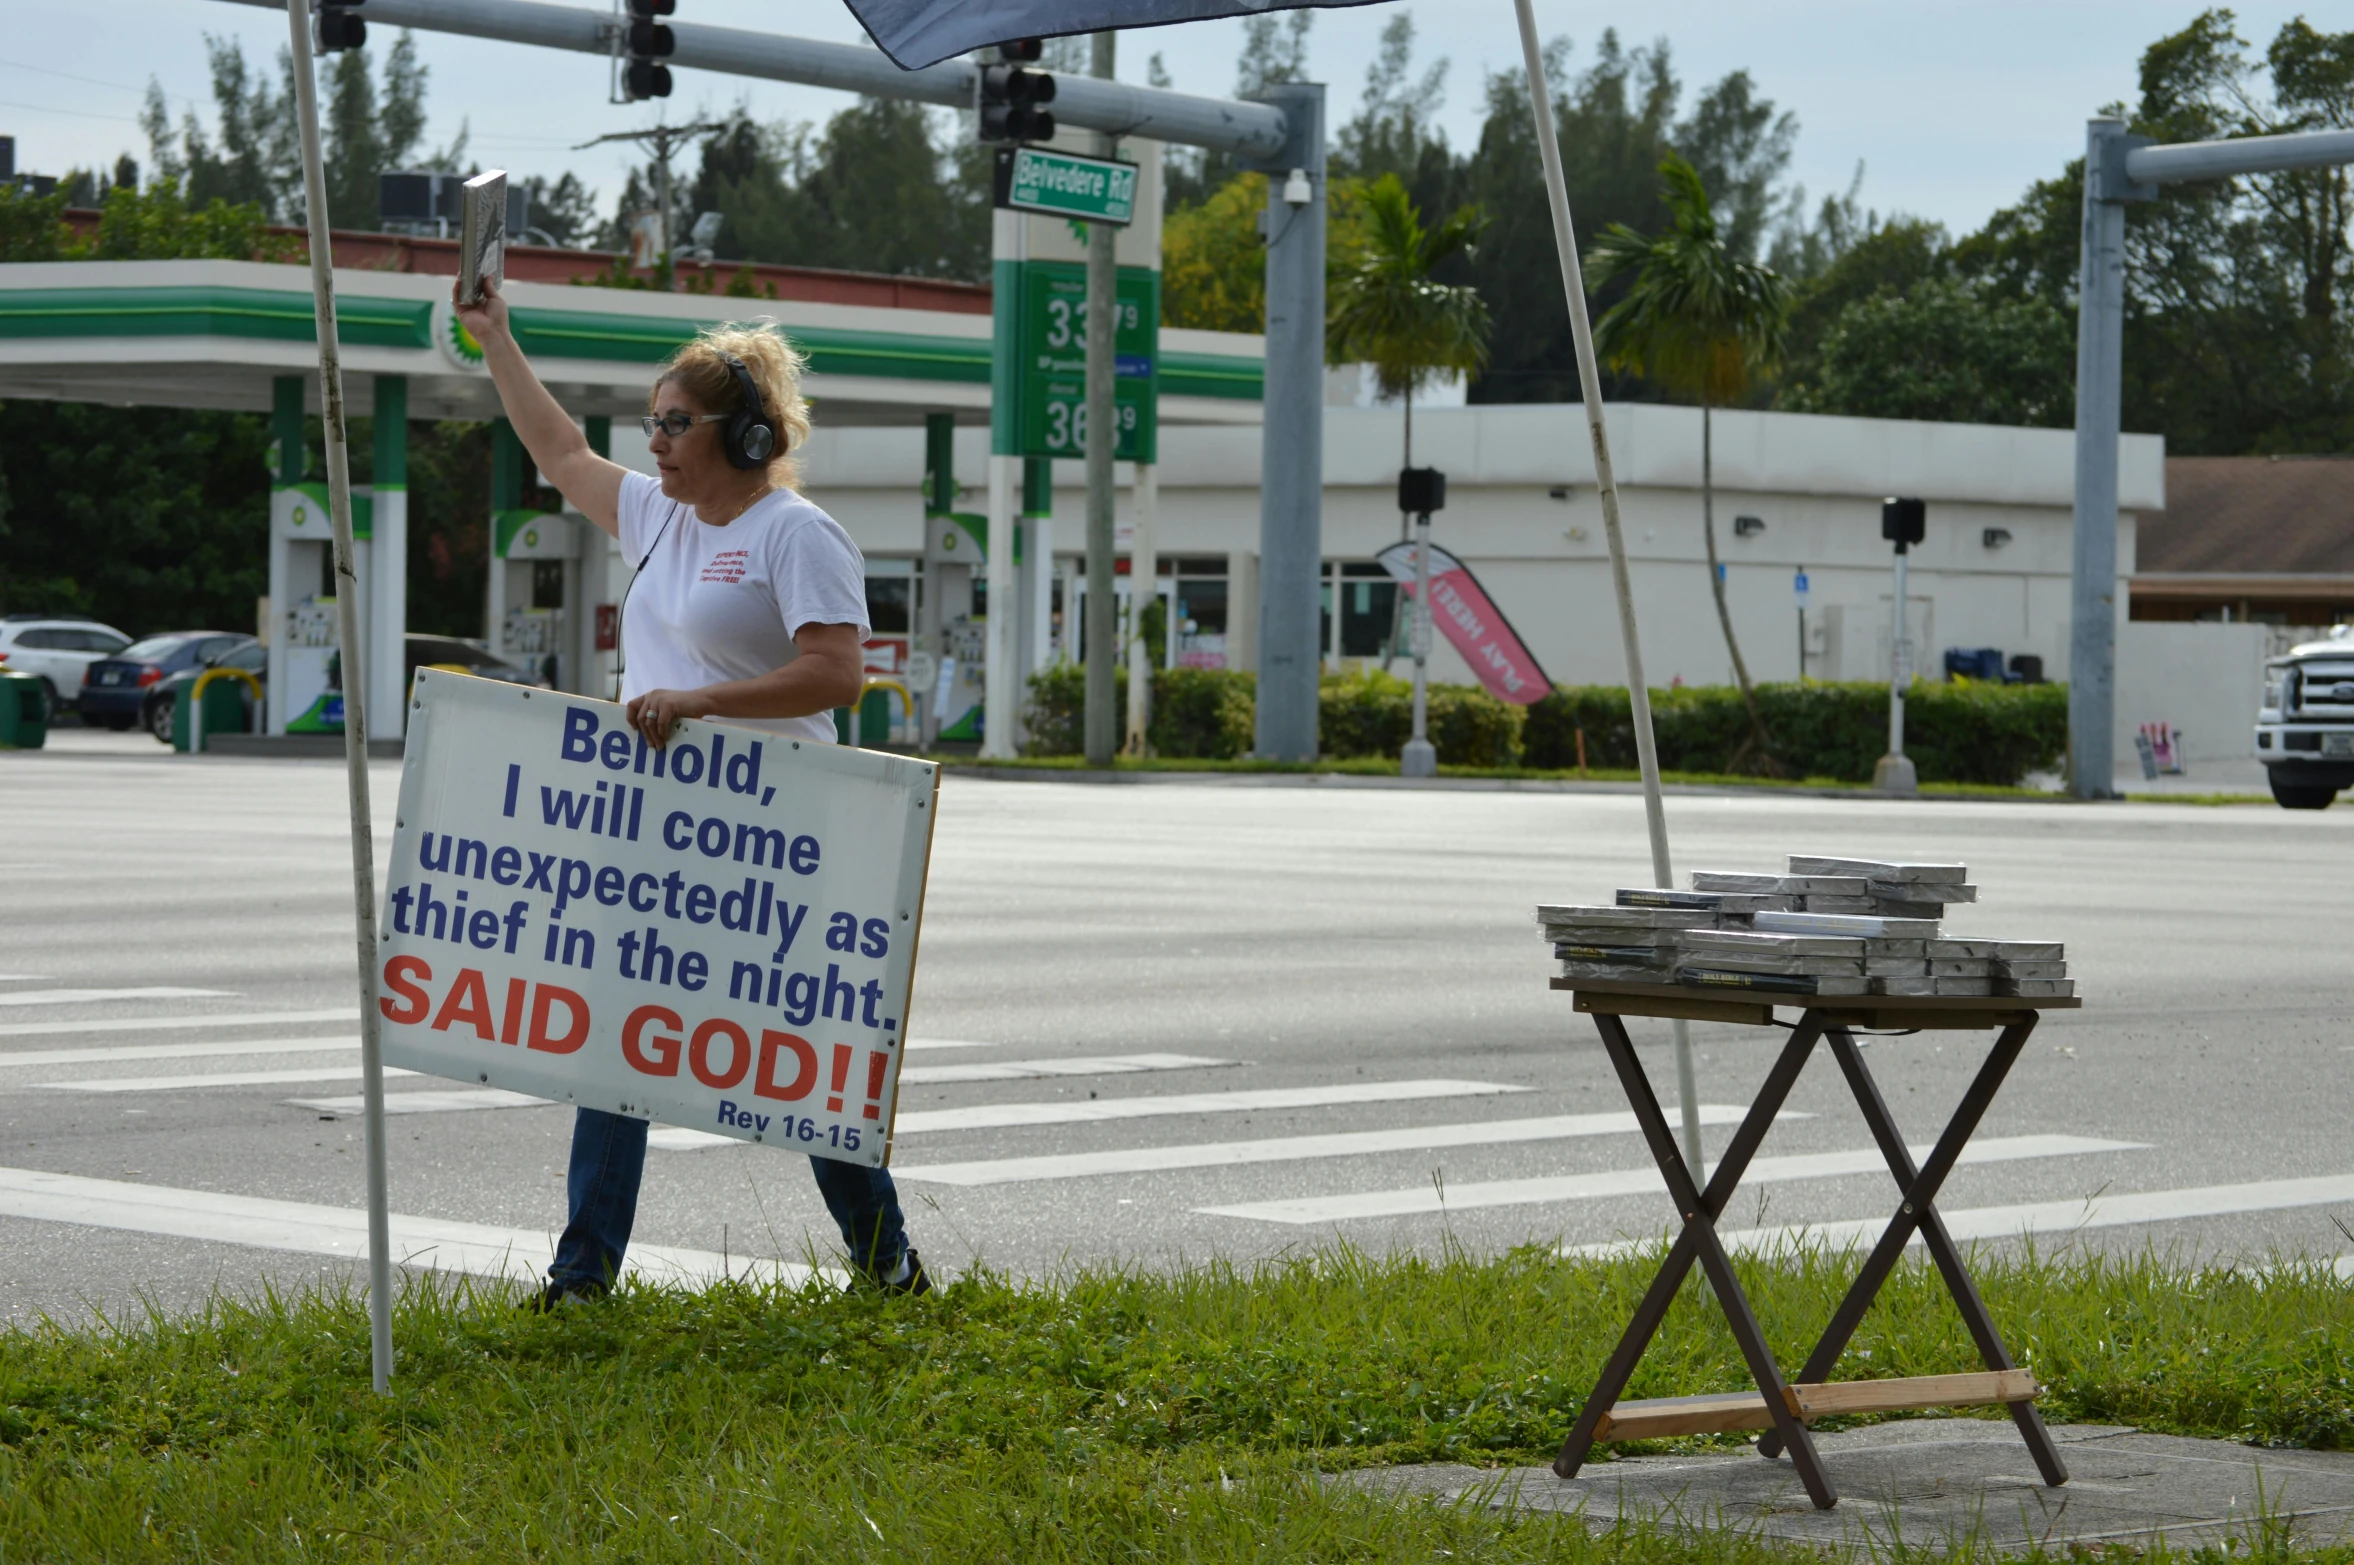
point(1054, 361)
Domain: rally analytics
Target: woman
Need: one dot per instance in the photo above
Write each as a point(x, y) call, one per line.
point(749, 606)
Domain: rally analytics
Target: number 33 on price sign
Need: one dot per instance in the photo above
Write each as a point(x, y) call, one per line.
point(1054, 361)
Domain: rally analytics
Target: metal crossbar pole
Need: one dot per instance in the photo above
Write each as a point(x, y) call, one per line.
point(355, 685)
point(1581, 331)
point(1118, 108)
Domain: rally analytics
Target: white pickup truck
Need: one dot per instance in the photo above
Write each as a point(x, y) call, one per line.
point(2305, 733)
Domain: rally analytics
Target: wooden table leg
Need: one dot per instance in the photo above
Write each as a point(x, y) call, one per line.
point(1699, 1241)
point(1918, 1211)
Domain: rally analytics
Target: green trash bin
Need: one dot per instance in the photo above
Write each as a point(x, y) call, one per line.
point(24, 711)
point(223, 702)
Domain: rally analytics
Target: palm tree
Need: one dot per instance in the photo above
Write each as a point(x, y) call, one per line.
point(1389, 314)
point(1704, 322)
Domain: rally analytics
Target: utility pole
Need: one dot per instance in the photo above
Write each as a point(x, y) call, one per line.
point(661, 139)
point(1103, 443)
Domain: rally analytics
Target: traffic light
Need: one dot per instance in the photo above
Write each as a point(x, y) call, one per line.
point(1013, 100)
point(1903, 522)
point(649, 43)
point(339, 26)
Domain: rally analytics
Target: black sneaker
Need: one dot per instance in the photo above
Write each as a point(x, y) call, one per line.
point(556, 1295)
point(916, 1283)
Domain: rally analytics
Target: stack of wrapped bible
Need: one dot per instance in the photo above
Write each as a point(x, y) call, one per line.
point(1828, 926)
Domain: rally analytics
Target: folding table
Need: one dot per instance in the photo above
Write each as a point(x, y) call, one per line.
point(1784, 1408)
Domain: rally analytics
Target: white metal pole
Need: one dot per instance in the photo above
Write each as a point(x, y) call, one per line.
point(1900, 647)
point(1144, 578)
point(1581, 330)
point(1421, 758)
point(355, 687)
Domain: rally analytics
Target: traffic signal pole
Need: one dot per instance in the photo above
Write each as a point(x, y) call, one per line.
point(2119, 168)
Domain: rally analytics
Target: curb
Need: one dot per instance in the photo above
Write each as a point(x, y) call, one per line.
point(1349, 780)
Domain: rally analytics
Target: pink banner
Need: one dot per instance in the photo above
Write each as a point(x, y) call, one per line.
point(1477, 628)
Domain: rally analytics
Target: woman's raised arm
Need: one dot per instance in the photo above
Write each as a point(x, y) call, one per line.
point(558, 449)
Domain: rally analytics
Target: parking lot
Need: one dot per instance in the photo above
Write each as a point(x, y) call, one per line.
point(1161, 1023)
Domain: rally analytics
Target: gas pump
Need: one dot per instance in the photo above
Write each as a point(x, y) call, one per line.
point(305, 693)
point(535, 593)
point(955, 612)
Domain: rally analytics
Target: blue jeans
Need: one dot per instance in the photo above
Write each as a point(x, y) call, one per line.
point(609, 1161)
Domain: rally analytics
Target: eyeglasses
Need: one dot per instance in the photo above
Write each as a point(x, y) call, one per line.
point(677, 424)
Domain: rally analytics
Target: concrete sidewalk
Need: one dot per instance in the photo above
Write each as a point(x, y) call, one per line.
point(1943, 1484)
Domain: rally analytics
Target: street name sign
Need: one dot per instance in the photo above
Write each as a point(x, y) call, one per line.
point(1065, 184)
point(718, 934)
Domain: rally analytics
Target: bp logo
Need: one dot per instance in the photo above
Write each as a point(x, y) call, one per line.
point(531, 538)
point(450, 335)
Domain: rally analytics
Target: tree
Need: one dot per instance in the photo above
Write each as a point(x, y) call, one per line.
point(1945, 351)
point(875, 191)
point(1214, 266)
point(1705, 322)
point(1387, 312)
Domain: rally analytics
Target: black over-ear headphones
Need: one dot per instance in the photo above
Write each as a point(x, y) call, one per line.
point(749, 439)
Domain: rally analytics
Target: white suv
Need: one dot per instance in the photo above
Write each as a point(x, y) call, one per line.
point(2305, 732)
point(57, 648)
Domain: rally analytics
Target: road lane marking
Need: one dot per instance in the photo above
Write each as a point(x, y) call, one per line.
point(986, 1116)
point(24, 978)
point(482, 1249)
point(1076, 1065)
point(1419, 1199)
point(455, 1100)
point(125, 1053)
point(86, 996)
point(2052, 1218)
point(276, 1078)
point(1349, 1143)
point(342, 1013)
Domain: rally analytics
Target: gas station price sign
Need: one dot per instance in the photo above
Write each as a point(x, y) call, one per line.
point(1054, 361)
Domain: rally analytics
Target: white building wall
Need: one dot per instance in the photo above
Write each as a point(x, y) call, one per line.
point(1817, 482)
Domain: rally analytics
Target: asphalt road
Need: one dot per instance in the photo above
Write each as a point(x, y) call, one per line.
point(1330, 940)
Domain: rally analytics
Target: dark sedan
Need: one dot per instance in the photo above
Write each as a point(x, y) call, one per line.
point(114, 689)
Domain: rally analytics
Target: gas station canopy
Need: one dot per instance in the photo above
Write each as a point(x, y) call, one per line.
point(217, 334)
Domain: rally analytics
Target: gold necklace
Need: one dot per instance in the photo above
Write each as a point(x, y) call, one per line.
point(762, 493)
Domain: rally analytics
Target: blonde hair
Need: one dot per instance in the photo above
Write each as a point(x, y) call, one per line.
point(775, 366)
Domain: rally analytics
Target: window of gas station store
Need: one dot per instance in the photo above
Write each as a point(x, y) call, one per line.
point(1357, 614)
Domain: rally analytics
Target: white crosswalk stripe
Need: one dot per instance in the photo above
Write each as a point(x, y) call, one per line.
point(483, 1249)
point(223, 1048)
point(913, 1075)
point(1426, 1198)
point(1285, 1149)
point(994, 1116)
point(87, 996)
point(1075, 1065)
point(276, 1078)
point(339, 1013)
point(2052, 1218)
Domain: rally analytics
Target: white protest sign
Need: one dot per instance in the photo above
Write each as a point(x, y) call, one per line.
point(719, 934)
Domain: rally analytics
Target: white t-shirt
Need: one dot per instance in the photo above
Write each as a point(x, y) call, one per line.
point(721, 603)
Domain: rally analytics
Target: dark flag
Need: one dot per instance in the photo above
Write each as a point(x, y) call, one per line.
point(917, 33)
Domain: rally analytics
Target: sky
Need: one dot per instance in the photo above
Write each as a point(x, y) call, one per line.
point(1952, 109)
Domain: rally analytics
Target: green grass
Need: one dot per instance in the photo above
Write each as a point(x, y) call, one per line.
point(2210, 799)
point(1106, 1416)
point(1383, 766)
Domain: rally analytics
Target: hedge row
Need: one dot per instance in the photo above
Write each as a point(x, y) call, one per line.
point(1961, 732)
